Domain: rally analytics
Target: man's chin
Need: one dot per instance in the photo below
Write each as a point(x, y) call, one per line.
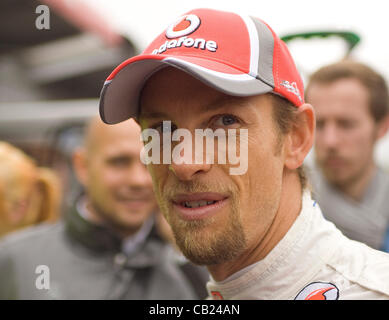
point(204, 246)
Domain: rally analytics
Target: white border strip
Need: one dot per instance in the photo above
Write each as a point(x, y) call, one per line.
point(254, 44)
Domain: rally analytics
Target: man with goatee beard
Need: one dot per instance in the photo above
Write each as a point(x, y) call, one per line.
point(352, 106)
point(259, 232)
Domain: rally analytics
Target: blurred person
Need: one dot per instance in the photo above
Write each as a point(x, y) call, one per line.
point(29, 194)
point(107, 246)
point(351, 104)
point(258, 230)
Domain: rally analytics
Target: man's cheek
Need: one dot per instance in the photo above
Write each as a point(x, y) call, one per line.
point(159, 174)
point(157, 171)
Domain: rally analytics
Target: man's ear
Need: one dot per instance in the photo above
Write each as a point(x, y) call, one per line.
point(300, 138)
point(383, 127)
point(80, 165)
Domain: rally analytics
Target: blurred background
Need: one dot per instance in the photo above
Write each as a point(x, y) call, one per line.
point(50, 79)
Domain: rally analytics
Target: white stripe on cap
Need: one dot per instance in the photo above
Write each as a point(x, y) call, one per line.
point(254, 44)
point(227, 76)
point(233, 84)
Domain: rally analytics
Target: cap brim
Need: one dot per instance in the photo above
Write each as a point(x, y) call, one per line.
point(119, 99)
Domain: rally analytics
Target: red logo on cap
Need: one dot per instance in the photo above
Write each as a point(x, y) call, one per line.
point(183, 26)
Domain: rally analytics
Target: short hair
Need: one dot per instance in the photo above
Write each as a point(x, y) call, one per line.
point(285, 116)
point(369, 78)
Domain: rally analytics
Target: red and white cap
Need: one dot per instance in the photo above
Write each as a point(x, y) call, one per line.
point(240, 56)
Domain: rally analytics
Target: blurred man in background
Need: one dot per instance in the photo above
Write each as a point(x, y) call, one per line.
point(351, 105)
point(28, 194)
point(108, 246)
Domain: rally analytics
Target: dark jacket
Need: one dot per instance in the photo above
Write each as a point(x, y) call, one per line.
point(85, 262)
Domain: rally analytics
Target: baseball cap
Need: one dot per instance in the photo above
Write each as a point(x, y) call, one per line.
point(235, 54)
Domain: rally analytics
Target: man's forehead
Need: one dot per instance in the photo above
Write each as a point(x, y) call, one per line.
point(129, 148)
point(104, 140)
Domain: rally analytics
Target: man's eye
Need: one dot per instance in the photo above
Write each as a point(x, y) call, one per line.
point(226, 120)
point(346, 124)
point(119, 162)
point(165, 127)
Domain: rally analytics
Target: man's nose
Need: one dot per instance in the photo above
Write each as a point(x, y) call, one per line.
point(187, 165)
point(186, 172)
point(138, 176)
point(191, 167)
point(329, 136)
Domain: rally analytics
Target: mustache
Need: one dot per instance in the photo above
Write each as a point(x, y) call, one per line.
point(186, 187)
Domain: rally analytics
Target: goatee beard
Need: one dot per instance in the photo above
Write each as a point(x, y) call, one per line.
point(197, 240)
point(210, 248)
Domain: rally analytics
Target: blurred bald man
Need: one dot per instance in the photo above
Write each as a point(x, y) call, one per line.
point(118, 187)
point(107, 247)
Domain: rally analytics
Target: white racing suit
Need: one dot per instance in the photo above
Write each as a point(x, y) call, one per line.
point(313, 261)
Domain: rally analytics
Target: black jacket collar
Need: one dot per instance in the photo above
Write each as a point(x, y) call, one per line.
point(102, 240)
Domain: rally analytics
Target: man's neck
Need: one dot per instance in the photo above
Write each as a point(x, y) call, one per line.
point(288, 211)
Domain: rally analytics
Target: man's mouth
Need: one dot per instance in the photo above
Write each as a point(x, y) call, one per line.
point(134, 202)
point(196, 206)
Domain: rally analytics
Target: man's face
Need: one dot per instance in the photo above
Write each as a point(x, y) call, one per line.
point(118, 184)
point(21, 200)
point(215, 216)
point(345, 130)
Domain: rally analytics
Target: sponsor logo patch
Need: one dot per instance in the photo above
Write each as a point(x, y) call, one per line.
point(216, 295)
point(319, 291)
point(183, 26)
point(178, 33)
point(292, 87)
